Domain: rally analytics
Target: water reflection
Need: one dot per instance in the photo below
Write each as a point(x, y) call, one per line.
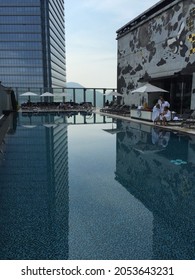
point(72, 117)
point(157, 167)
point(34, 192)
point(34, 185)
point(41, 218)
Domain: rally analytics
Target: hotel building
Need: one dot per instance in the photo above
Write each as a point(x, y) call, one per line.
point(158, 46)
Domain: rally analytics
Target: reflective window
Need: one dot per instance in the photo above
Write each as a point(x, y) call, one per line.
point(20, 54)
point(20, 37)
point(57, 53)
point(19, 19)
point(59, 48)
point(57, 83)
point(56, 35)
point(20, 28)
point(21, 42)
point(20, 62)
point(58, 75)
point(20, 45)
point(57, 60)
point(19, 10)
point(58, 68)
point(28, 84)
point(21, 70)
point(20, 3)
point(55, 21)
point(21, 78)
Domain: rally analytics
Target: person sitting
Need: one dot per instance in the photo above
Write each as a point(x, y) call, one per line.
point(61, 105)
point(165, 116)
point(107, 103)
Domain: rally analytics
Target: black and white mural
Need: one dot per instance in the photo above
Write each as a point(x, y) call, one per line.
point(157, 46)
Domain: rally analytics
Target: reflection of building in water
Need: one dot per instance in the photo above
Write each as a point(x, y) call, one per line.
point(162, 178)
point(34, 194)
point(72, 117)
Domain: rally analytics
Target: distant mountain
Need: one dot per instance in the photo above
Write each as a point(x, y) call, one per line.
point(73, 85)
point(89, 94)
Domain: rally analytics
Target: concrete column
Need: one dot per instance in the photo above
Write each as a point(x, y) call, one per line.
point(192, 107)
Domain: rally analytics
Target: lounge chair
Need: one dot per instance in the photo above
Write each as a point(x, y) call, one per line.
point(189, 121)
point(109, 109)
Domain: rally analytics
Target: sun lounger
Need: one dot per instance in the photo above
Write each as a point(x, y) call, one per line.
point(189, 121)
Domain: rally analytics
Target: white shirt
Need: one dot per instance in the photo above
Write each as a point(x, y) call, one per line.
point(155, 113)
point(167, 115)
point(163, 105)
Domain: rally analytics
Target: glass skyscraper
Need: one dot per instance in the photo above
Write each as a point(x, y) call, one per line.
point(32, 43)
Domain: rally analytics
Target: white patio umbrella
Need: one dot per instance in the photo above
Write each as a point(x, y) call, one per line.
point(148, 88)
point(29, 94)
point(113, 93)
point(47, 94)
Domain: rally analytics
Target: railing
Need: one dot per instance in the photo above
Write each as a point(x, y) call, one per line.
point(94, 95)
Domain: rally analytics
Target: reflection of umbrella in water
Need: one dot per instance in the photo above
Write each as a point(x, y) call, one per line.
point(29, 94)
point(28, 123)
point(145, 148)
point(29, 126)
point(49, 125)
point(148, 88)
point(113, 130)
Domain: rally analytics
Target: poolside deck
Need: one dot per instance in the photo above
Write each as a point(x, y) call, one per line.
point(172, 126)
point(54, 111)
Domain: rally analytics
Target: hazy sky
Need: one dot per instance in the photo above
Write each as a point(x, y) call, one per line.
point(91, 45)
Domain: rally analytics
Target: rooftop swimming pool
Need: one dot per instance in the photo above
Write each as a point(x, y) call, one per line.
point(90, 187)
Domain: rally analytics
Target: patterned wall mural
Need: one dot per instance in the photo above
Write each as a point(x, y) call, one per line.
point(159, 47)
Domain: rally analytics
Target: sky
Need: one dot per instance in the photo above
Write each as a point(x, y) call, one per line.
point(91, 45)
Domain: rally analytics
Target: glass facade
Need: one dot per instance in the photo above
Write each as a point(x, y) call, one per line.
point(32, 43)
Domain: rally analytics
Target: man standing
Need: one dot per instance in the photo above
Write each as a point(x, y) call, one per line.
point(163, 103)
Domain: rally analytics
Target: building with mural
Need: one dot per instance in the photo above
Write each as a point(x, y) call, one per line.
point(158, 47)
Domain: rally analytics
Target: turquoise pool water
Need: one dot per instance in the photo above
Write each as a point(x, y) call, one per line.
point(89, 187)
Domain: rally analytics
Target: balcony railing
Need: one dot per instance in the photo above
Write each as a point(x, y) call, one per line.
point(94, 95)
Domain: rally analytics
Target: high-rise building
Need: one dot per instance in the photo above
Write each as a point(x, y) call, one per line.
point(32, 43)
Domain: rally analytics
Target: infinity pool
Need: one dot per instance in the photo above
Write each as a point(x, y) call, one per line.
point(90, 187)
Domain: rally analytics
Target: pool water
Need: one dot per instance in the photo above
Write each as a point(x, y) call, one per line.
point(96, 188)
